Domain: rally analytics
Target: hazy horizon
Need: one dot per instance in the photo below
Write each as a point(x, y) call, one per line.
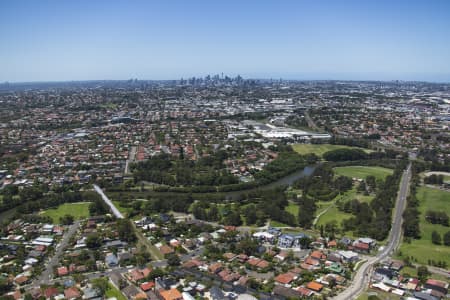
point(44, 41)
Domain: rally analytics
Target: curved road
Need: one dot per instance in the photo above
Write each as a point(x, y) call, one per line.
point(361, 278)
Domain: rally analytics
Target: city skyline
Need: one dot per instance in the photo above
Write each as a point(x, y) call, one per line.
point(65, 41)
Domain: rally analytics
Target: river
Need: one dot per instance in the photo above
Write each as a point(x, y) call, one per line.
point(287, 180)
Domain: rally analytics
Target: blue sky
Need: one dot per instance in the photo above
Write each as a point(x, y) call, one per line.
point(78, 40)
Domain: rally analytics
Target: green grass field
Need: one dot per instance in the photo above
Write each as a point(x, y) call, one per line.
point(292, 208)
point(333, 214)
point(112, 292)
point(123, 210)
point(423, 249)
point(77, 210)
point(363, 171)
point(277, 224)
point(320, 149)
point(380, 294)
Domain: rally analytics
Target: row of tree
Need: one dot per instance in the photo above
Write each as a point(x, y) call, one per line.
point(434, 179)
point(438, 240)
point(437, 217)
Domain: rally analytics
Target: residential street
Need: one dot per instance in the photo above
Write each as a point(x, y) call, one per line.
point(47, 274)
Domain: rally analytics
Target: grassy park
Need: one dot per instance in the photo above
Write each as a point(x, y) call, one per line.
point(78, 210)
point(333, 213)
point(292, 208)
point(362, 172)
point(423, 249)
point(320, 149)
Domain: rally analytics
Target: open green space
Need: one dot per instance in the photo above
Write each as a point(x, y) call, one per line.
point(333, 214)
point(423, 250)
point(109, 105)
point(380, 294)
point(78, 210)
point(122, 209)
point(113, 292)
point(292, 208)
point(320, 149)
point(277, 224)
point(363, 171)
point(412, 271)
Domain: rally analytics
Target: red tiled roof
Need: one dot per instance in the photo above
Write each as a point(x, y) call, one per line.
point(263, 264)
point(285, 278)
point(71, 293)
point(315, 286)
point(50, 292)
point(62, 271)
point(147, 286)
point(332, 243)
point(312, 261)
point(215, 267)
point(363, 246)
point(317, 255)
point(165, 249)
point(304, 291)
point(21, 279)
point(172, 294)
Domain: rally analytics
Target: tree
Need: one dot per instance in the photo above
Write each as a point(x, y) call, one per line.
point(247, 246)
point(126, 230)
point(436, 237)
point(250, 214)
point(93, 241)
point(98, 207)
point(157, 272)
point(101, 284)
point(306, 212)
point(5, 284)
point(173, 259)
point(422, 273)
point(447, 238)
point(66, 219)
point(233, 219)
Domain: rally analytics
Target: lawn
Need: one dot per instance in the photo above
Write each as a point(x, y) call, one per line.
point(277, 224)
point(292, 208)
point(78, 210)
point(333, 214)
point(423, 249)
point(320, 149)
point(123, 210)
point(362, 172)
point(112, 292)
point(379, 294)
point(412, 272)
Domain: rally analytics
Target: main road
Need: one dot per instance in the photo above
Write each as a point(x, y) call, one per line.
point(361, 278)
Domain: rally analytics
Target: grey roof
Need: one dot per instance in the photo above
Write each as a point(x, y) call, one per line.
point(424, 296)
point(130, 291)
point(217, 293)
